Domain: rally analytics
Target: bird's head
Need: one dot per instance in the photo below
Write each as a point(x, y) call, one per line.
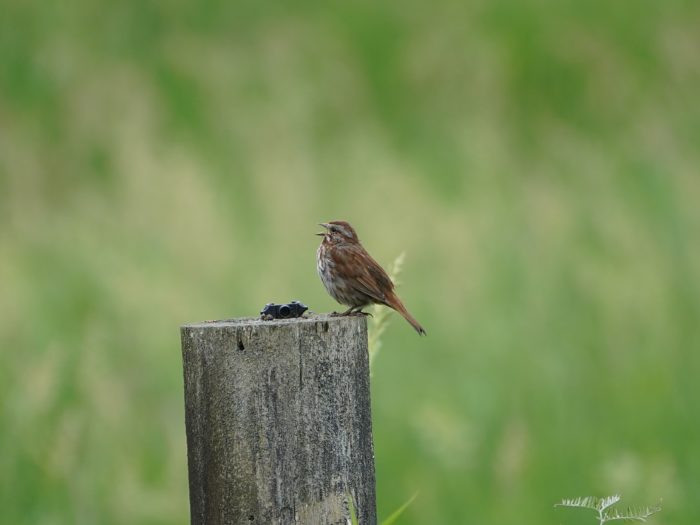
point(338, 232)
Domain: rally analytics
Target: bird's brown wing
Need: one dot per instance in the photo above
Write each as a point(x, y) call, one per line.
point(366, 276)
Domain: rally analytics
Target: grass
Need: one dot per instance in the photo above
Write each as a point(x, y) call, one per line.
point(605, 512)
point(163, 163)
point(393, 517)
point(380, 315)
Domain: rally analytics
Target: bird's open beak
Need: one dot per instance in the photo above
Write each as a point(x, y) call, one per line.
point(325, 226)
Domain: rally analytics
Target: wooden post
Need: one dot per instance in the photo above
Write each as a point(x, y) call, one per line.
point(278, 420)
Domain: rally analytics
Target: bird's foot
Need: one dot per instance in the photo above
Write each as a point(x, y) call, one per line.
point(363, 314)
point(351, 311)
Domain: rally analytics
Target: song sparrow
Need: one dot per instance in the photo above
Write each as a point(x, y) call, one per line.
point(351, 276)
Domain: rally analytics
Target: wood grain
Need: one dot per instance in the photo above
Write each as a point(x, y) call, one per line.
point(278, 421)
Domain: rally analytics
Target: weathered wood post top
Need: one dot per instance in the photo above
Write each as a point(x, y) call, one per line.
point(278, 420)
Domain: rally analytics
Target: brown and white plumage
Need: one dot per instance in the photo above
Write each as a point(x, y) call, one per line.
point(351, 276)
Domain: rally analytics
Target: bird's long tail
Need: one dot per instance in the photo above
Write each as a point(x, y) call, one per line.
point(395, 303)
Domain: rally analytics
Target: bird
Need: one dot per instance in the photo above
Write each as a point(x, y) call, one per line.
point(351, 276)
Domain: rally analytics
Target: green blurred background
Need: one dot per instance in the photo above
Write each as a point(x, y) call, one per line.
point(163, 162)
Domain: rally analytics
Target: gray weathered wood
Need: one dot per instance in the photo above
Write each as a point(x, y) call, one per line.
point(278, 421)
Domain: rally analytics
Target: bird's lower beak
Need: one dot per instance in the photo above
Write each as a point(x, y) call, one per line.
point(325, 226)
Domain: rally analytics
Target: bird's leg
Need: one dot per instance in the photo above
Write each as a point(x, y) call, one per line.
point(353, 310)
point(346, 312)
point(358, 311)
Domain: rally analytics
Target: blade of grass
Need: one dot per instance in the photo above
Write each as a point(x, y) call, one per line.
point(351, 508)
point(380, 314)
point(397, 513)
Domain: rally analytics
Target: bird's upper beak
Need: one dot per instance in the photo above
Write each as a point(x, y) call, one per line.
point(325, 226)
